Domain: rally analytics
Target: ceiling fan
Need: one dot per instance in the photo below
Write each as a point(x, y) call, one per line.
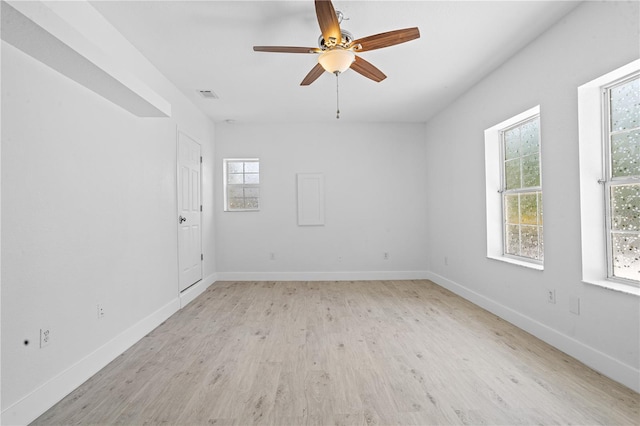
point(337, 48)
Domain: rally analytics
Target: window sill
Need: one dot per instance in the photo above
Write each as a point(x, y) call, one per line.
point(529, 265)
point(615, 286)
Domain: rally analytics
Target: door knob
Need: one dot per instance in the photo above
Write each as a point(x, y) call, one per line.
point(183, 219)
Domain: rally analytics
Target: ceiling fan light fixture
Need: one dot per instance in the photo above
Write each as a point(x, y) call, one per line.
point(336, 60)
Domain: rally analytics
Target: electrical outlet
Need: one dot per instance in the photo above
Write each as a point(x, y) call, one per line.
point(272, 256)
point(45, 337)
point(446, 261)
point(551, 296)
point(386, 255)
point(100, 311)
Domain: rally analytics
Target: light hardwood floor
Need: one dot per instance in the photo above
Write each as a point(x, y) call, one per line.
point(342, 353)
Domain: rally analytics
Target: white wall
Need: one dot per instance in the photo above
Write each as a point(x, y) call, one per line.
point(594, 39)
point(88, 216)
point(375, 202)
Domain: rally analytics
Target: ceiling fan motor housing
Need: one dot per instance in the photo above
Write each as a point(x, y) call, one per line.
point(347, 38)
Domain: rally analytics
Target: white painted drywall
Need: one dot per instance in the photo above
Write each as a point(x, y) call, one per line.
point(374, 197)
point(88, 217)
point(594, 39)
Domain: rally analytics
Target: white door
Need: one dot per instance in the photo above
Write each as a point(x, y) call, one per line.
point(189, 229)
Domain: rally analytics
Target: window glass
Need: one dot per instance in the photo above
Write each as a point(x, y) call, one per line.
point(622, 189)
point(522, 191)
point(242, 184)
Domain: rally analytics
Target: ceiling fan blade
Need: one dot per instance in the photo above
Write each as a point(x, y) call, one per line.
point(328, 21)
point(313, 75)
point(286, 49)
point(387, 39)
point(367, 69)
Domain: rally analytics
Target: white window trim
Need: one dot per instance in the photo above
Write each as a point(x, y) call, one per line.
point(592, 200)
point(226, 183)
point(493, 180)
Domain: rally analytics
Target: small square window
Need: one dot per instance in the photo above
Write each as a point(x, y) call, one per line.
point(241, 184)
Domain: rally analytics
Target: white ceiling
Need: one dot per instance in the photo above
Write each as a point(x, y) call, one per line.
point(207, 45)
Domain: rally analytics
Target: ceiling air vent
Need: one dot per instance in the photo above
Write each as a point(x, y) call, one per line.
point(208, 94)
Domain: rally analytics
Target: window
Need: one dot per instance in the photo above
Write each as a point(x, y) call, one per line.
point(522, 190)
point(242, 184)
point(609, 124)
point(622, 178)
point(514, 190)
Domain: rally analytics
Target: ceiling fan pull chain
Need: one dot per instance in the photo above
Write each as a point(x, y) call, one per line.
point(337, 97)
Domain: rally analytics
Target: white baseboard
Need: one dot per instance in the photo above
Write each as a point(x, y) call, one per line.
point(196, 290)
point(44, 397)
point(322, 276)
point(599, 361)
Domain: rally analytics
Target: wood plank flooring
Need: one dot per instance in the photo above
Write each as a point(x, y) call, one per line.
point(342, 353)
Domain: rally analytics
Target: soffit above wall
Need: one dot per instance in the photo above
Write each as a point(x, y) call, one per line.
point(53, 39)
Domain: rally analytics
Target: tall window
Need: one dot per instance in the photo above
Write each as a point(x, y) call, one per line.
point(514, 190)
point(241, 184)
point(622, 178)
point(522, 190)
point(609, 120)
